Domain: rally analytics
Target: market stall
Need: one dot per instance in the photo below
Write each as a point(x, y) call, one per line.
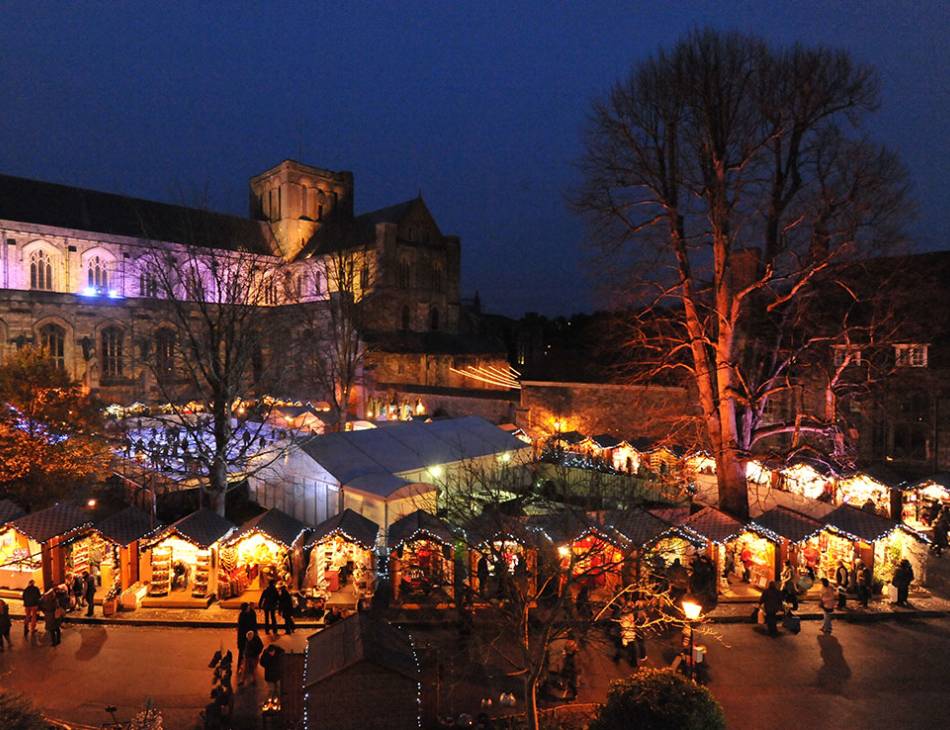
point(342, 565)
point(603, 445)
point(502, 550)
point(114, 546)
point(797, 538)
point(922, 500)
point(809, 478)
point(851, 534)
point(876, 488)
point(267, 547)
point(180, 563)
point(37, 544)
point(646, 534)
point(422, 559)
point(741, 556)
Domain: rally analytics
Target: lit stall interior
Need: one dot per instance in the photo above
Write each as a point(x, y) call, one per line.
point(421, 560)
point(341, 568)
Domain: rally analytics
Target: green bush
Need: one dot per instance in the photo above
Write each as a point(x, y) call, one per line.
point(659, 699)
point(16, 713)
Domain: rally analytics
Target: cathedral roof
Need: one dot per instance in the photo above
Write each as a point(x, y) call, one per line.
point(65, 206)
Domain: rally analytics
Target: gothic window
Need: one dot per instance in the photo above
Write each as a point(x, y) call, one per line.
point(434, 319)
point(437, 278)
point(405, 318)
point(111, 353)
point(317, 283)
point(96, 275)
point(194, 285)
point(53, 342)
point(148, 285)
point(41, 271)
point(164, 354)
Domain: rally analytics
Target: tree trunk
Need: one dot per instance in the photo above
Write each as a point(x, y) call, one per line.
point(733, 488)
point(532, 719)
point(219, 486)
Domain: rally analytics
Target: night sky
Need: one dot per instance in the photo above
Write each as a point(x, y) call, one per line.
point(478, 105)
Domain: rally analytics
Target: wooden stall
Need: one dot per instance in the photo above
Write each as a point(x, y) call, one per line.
point(809, 478)
point(502, 549)
point(422, 560)
point(342, 564)
point(267, 547)
point(113, 548)
point(38, 543)
point(876, 489)
point(922, 500)
point(797, 538)
point(180, 563)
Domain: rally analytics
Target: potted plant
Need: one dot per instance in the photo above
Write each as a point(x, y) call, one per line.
point(110, 603)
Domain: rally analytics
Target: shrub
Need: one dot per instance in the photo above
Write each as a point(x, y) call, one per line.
point(16, 713)
point(659, 699)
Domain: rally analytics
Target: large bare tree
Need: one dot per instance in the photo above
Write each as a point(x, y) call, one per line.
point(734, 184)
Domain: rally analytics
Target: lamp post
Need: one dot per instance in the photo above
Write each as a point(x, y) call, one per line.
point(691, 610)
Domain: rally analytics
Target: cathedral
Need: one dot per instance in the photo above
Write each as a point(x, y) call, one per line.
point(74, 283)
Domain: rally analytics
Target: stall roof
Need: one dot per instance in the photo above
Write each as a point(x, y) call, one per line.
point(55, 521)
point(567, 525)
point(403, 529)
point(638, 526)
point(606, 440)
point(351, 524)
point(942, 478)
point(204, 527)
point(275, 524)
point(9, 511)
point(375, 457)
point(883, 474)
point(713, 524)
point(864, 525)
point(126, 526)
point(356, 639)
point(493, 525)
point(787, 523)
point(571, 437)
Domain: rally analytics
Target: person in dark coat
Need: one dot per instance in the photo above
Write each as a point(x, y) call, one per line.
point(270, 601)
point(5, 625)
point(252, 654)
point(481, 570)
point(77, 588)
point(285, 602)
point(771, 602)
point(90, 594)
point(51, 616)
point(863, 580)
point(247, 621)
point(903, 577)
point(31, 607)
point(841, 579)
point(270, 661)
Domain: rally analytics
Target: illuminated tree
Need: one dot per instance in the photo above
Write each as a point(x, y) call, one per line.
point(51, 438)
point(731, 183)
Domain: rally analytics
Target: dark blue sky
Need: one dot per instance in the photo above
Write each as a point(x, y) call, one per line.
point(479, 105)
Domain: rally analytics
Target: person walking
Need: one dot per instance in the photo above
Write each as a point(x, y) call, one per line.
point(247, 622)
point(252, 655)
point(270, 661)
point(790, 584)
point(78, 588)
point(270, 600)
point(285, 602)
point(31, 607)
point(89, 592)
point(903, 577)
point(863, 579)
point(5, 625)
point(841, 580)
point(827, 603)
point(481, 572)
point(52, 615)
point(771, 602)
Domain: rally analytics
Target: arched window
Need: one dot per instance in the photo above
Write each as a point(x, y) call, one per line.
point(53, 342)
point(317, 282)
point(110, 357)
point(405, 318)
point(194, 285)
point(165, 354)
point(148, 284)
point(434, 319)
point(41, 271)
point(96, 275)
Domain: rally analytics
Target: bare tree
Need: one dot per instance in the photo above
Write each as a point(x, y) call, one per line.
point(531, 562)
point(331, 351)
point(214, 349)
point(739, 174)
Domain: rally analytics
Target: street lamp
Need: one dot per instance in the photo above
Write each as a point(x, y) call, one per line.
point(691, 610)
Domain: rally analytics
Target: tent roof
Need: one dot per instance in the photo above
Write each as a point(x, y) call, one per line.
point(351, 524)
point(356, 639)
point(370, 460)
point(606, 440)
point(403, 529)
point(204, 527)
point(9, 510)
point(126, 526)
point(55, 521)
point(787, 523)
point(713, 524)
point(277, 525)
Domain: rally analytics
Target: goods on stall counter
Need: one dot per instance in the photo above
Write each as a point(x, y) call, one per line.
point(161, 572)
point(202, 572)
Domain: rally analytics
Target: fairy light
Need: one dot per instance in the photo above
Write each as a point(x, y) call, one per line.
point(415, 658)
